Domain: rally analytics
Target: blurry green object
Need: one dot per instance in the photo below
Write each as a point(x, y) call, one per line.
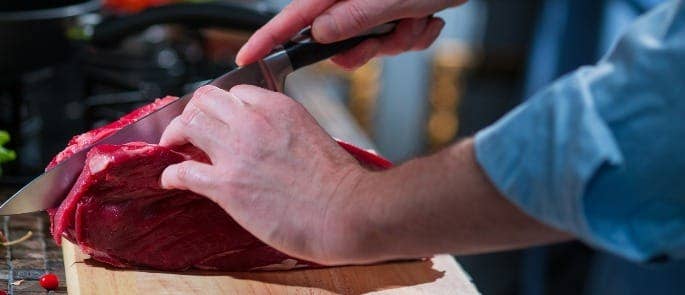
point(5, 154)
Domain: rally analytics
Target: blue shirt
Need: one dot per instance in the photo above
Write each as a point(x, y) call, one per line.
point(601, 152)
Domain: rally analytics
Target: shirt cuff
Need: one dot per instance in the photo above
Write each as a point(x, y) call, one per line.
point(542, 155)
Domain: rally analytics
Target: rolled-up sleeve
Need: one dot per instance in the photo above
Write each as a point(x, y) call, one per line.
point(601, 152)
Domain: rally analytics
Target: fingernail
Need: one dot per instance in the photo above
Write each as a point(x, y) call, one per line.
point(163, 178)
point(238, 58)
point(244, 50)
point(325, 29)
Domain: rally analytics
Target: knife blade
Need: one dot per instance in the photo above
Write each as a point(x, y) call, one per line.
point(49, 189)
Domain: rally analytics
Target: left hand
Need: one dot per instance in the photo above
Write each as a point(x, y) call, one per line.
point(274, 169)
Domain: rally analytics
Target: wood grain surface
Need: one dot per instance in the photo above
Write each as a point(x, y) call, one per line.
point(439, 275)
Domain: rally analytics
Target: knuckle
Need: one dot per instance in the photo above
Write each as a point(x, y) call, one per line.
point(259, 123)
point(205, 94)
point(231, 182)
point(301, 20)
point(200, 102)
point(203, 91)
point(358, 15)
point(189, 116)
point(272, 37)
point(242, 93)
point(239, 87)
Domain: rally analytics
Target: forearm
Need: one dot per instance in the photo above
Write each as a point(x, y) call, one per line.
point(443, 203)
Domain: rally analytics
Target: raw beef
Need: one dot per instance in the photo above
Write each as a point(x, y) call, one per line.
point(117, 213)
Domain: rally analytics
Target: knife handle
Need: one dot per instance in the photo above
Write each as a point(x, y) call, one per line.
point(303, 50)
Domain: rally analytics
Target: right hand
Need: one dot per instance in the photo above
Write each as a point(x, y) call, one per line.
point(335, 20)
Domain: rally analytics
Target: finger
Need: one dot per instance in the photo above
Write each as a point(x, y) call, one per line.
point(173, 134)
point(196, 127)
point(293, 18)
point(257, 97)
point(346, 19)
point(430, 34)
point(359, 55)
point(404, 37)
point(189, 175)
point(217, 103)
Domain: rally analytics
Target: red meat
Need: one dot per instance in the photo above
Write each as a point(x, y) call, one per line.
point(118, 214)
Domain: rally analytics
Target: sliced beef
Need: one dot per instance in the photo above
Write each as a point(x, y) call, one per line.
point(118, 214)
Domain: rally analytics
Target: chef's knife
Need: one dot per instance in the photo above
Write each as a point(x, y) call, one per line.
point(50, 188)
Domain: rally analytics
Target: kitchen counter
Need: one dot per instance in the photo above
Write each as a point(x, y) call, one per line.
point(30, 259)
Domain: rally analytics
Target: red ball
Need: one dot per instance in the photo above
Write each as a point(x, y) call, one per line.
point(49, 281)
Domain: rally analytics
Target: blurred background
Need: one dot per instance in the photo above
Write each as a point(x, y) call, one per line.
point(87, 62)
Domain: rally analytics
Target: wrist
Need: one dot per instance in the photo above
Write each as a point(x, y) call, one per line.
point(393, 209)
point(348, 228)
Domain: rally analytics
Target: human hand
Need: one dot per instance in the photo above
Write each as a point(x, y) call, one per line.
point(273, 169)
point(335, 20)
point(282, 178)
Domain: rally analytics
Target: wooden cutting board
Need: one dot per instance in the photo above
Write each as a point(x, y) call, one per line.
point(439, 275)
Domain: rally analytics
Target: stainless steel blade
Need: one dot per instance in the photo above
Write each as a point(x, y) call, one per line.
point(50, 188)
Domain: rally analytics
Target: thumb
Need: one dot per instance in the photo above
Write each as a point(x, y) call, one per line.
point(346, 19)
point(189, 175)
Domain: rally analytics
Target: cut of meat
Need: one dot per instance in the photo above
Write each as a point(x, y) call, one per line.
point(83, 140)
point(117, 213)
